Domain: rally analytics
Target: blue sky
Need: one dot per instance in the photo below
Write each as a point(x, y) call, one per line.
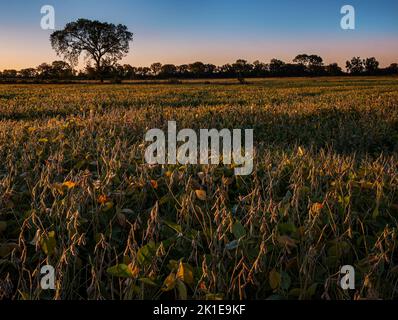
point(217, 31)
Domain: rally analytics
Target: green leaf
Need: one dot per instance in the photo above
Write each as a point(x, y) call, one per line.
point(176, 227)
point(148, 282)
point(146, 254)
point(312, 290)
point(182, 290)
point(274, 279)
point(287, 228)
point(48, 243)
point(120, 270)
point(238, 230)
point(376, 213)
point(285, 281)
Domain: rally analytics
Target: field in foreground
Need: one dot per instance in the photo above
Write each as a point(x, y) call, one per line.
point(75, 192)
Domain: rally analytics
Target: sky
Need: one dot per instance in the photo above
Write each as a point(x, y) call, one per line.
point(212, 31)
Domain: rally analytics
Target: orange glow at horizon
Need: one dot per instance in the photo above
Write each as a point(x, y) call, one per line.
point(16, 54)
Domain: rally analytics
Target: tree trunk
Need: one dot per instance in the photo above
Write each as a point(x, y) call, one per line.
point(100, 76)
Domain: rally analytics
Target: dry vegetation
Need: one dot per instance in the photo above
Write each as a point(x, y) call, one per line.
point(75, 192)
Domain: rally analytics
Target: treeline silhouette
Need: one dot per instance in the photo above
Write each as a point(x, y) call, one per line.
point(303, 65)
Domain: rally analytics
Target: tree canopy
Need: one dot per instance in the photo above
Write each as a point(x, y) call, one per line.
point(104, 43)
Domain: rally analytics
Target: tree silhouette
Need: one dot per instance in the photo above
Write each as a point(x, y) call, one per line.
point(197, 68)
point(259, 68)
point(10, 73)
point(305, 65)
point(313, 63)
point(129, 71)
point(28, 73)
point(355, 66)
point(302, 59)
point(371, 65)
point(44, 71)
point(393, 68)
point(183, 69)
point(156, 68)
point(242, 68)
point(333, 69)
point(61, 69)
point(168, 70)
point(102, 42)
point(276, 67)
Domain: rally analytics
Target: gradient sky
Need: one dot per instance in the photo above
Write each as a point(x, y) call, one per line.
point(212, 31)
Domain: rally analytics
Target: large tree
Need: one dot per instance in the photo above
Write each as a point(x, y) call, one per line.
point(104, 43)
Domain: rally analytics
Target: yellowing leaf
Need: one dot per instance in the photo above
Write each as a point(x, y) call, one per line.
point(185, 273)
point(366, 185)
point(274, 279)
point(108, 206)
point(168, 174)
point(43, 140)
point(300, 151)
point(201, 194)
point(154, 184)
point(316, 208)
point(134, 269)
point(102, 199)
point(169, 283)
point(24, 295)
point(69, 184)
point(59, 188)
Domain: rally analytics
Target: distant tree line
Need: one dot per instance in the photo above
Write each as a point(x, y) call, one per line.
point(303, 65)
